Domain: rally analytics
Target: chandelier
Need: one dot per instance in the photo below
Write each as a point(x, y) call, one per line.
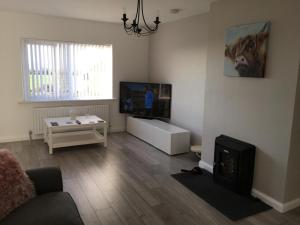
point(139, 25)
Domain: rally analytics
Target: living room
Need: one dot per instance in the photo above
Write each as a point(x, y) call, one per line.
point(129, 181)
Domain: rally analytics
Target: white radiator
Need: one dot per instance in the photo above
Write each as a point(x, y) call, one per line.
point(39, 114)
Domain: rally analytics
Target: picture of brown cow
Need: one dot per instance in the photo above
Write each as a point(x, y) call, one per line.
point(246, 50)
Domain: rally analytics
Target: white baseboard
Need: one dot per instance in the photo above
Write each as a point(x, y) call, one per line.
point(117, 129)
point(279, 206)
point(268, 200)
point(291, 205)
point(6, 139)
point(206, 166)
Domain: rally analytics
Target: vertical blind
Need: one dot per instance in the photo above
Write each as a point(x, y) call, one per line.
point(66, 71)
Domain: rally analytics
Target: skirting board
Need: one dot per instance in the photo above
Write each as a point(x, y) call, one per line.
point(206, 166)
point(291, 205)
point(117, 129)
point(279, 206)
point(7, 139)
point(19, 138)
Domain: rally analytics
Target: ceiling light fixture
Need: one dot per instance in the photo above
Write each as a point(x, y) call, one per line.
point(139, 25)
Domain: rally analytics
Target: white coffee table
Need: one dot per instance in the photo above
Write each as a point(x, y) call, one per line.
point(63, 131)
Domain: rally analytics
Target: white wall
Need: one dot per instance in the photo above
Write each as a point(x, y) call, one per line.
point(130, 60)
point(178, 56)
point(259, 111)
point(292, 190)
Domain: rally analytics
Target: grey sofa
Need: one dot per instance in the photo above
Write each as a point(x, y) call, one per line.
point(51, 206)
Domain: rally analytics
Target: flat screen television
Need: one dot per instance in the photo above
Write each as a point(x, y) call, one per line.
point(146, 100)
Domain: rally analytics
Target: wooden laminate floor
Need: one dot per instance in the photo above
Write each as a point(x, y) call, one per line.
point(129, 183)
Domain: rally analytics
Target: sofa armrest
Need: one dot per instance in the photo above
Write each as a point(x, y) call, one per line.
point(46, 180)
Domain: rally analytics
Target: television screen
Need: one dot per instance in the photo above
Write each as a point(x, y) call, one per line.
point(145, 99)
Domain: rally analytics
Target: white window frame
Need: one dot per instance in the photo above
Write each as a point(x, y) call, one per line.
point(27, 97)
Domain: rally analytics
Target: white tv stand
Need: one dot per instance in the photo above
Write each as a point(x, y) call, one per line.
point(164, 136)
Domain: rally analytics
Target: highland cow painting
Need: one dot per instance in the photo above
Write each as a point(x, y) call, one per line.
point(246, 50)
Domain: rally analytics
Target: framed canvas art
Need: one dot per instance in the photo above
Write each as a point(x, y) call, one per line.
point(246, 50)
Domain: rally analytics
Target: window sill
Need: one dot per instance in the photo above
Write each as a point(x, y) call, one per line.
point(66, 101)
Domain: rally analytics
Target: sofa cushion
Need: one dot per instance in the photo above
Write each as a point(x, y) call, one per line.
point(56, 208)
point(15, 186)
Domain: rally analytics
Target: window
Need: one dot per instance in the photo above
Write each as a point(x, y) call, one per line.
point(55, 71)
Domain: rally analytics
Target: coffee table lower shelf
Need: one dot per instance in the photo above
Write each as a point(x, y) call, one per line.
point(60, 140)
point(66, 139)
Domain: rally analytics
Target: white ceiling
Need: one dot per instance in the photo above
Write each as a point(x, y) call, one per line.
point(108, 10)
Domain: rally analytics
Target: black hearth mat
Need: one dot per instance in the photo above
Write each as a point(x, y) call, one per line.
point(232, 205)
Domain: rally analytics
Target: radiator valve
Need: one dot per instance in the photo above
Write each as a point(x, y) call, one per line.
point(30, 135)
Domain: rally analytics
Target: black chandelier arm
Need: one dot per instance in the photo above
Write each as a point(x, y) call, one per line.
point(146, 33)
point(147, 26)
point(126, 27)
point(125, 19)
point(138, 30)
point(129, 31)
point(137, 10)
